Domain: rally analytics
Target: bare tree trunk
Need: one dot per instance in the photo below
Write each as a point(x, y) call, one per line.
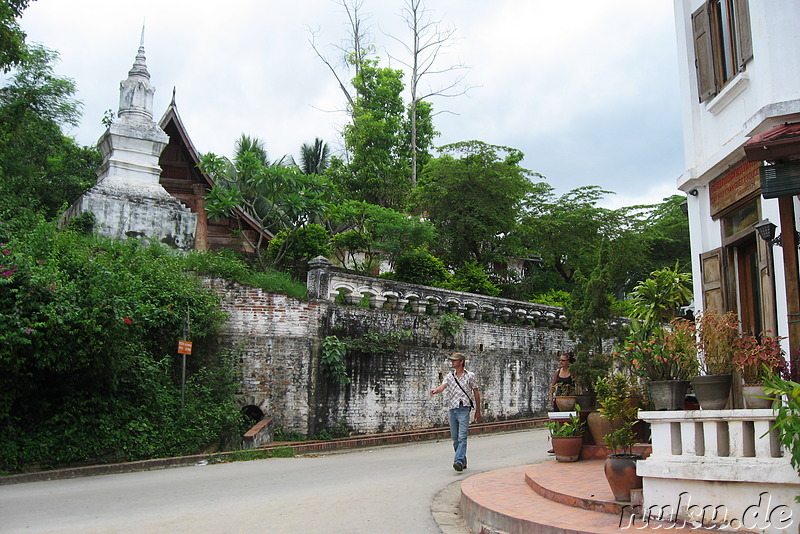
point(428, 40)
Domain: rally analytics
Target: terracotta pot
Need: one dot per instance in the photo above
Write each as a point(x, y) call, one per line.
point(753, 398)
point(567, 448)
point(621, 474)
point(565, 403)
point(599, 426)
point(712, 391)
point(668, 394)
point(585, 401)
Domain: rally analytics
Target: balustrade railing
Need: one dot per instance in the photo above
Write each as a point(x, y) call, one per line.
point(723, 441)
point(326, 282)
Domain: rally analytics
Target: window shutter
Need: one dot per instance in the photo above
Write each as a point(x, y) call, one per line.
point(766, 271)
point(703, 53)
point(712, 277)
point(744, 39)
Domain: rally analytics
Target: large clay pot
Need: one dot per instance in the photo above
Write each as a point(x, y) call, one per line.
point(565, 403)
point(567, 448)
point(712, 391)
point(668, 394)
point(599, 426)
point(753, 397)
point(585, 401)
point(621, 474)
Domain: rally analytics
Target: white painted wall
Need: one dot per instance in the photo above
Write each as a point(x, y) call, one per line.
point(767, 93)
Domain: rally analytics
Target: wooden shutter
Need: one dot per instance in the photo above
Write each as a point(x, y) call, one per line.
point(703, 53)
point(766, 276)
point(744, 39)
point(712, 275)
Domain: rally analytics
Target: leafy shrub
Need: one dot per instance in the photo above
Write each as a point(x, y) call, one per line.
point(87, 327)
point(291, 250)
point(553, 297)
point(471, 278)
point(419, 266)
point(228, 264)
point(332, 363)
point(450, 324)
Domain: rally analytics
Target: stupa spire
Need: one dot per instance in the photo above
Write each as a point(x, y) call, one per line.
point(136, 93)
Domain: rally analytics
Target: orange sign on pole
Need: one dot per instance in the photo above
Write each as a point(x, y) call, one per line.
point(184, 347)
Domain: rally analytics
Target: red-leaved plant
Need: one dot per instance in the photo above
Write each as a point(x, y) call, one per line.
point(757, 357)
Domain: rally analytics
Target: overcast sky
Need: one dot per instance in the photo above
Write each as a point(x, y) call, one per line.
point(587, 89)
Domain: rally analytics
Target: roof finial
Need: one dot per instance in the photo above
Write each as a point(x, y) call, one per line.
point(173, 96)
point(139, 67)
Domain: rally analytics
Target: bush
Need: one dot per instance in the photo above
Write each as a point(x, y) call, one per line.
point(471, 278)
point(88, 337)
point(228, 264)
point(419, 266)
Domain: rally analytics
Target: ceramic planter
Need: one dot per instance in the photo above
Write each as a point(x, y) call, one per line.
point(565, 403)
point(599, 426)
point(567, 448)
point(753, 398)
point(712, 391)
point(621, 474)
point(668, 394)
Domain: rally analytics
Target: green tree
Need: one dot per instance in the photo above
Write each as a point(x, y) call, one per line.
point(571, 232)
point(276, 196)
point(296, 247)
point(41, 169)
point(591, 310)
point(374, 233)
point(12, 38)
point(376, 172)
point(471, 278)
point(418, 266)
point(314, 158)
point(474, 199)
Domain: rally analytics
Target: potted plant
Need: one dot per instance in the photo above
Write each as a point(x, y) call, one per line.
point(614, 399)
point(564, 395)
point(567, 437)
point(719, 339)
point(756, 359)
point(587, 368)
point(665, 357)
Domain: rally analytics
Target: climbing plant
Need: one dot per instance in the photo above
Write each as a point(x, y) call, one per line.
point(333, 352)
point(450, 324)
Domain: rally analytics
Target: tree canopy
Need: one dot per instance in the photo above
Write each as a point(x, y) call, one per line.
point(474, 198)
point(41, 169)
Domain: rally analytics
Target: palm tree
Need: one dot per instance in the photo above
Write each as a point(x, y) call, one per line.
point(314, 158)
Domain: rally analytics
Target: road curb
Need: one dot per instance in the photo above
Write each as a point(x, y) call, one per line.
point(303, 447)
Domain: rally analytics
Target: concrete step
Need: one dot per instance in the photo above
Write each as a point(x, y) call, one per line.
point(550, 498)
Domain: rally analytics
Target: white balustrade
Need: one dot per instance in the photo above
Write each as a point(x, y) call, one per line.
point(715, 461)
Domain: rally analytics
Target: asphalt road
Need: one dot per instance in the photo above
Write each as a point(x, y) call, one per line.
point(382, 490)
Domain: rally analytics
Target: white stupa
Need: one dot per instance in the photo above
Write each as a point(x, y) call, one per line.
point(127, 200)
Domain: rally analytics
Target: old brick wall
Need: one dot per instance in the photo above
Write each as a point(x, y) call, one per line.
point(280, 339)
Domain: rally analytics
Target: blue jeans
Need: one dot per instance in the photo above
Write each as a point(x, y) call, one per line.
point(459, 429)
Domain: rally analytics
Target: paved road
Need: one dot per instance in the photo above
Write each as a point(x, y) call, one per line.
point(383, 490)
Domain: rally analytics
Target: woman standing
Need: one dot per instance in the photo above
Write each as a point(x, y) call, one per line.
point(562, 377)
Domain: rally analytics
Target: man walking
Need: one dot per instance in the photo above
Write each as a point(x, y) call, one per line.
point(458, 386)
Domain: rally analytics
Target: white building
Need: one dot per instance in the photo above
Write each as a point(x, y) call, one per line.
point(739, 67)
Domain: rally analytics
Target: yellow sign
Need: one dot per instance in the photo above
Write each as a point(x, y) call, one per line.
point(184, 347)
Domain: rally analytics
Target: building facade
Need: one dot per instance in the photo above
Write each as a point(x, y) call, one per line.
point(740, 92)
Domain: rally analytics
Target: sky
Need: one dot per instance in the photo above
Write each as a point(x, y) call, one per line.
point(587, 90)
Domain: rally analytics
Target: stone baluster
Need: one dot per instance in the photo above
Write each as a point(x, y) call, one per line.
point(376, 302)
point(689, 438)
